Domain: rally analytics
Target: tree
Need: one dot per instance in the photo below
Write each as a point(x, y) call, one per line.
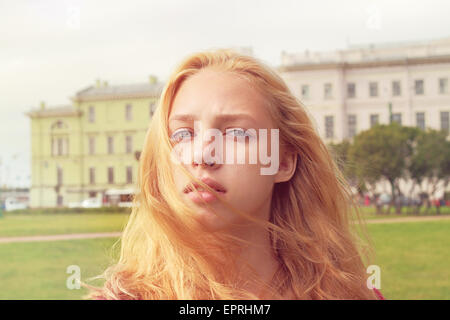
point(383, 152)
point(430, 161)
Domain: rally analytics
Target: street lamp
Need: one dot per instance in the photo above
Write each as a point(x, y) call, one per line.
point(390, 112)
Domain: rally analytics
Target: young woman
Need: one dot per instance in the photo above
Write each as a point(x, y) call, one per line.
point(208, 223)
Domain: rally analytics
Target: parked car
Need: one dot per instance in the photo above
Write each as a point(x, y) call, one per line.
point(12, 204)
point(87, 203)
point(91, 203)
point(119, 197)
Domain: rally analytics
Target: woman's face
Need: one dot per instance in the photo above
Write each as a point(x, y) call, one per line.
point(220, 100)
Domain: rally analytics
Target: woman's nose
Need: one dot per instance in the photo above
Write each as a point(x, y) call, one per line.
point(206, 154)
point(207, 164)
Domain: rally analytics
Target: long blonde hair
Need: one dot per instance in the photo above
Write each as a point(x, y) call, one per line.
point(166, 255)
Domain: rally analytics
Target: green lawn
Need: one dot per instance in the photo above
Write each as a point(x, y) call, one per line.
point(37, 270)
point(413, 257)
point(47, 224)
point(23, 224)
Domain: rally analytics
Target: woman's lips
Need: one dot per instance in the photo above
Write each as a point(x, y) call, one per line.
point(202, 195)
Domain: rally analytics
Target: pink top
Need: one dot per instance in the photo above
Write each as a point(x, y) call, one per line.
point(379, 295)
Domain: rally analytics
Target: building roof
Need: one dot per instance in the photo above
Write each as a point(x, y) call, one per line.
point(55, 111)
point(367, 55)
point(97, 92)
point(107, 92)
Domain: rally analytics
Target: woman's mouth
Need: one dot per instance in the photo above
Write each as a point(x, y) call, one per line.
point(203, 195)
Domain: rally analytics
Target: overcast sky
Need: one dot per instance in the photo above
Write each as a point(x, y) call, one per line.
point(51, 49)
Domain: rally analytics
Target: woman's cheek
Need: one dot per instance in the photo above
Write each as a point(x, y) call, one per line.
point(248, 183)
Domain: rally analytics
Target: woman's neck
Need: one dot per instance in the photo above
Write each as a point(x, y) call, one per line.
point(257, 258)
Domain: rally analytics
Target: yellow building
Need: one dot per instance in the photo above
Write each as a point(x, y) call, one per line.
point(91, 147)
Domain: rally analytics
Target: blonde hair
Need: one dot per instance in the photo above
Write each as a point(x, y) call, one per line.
point(165, 254)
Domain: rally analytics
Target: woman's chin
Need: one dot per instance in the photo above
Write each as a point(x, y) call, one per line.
point(212, 216)
point(210, 220)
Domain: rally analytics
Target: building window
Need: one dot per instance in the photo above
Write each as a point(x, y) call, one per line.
point(397, 117)
point(128, 144)
point(374, 120)
point(305, 91)
point(420, 120)
point(419, 87)
point(66, 146)
point(373, 89)
point(443, 85)
point(91, 114)
point(91, 145)
point(329, 126)
point(129, 112)
point(59, 141)
point(129, 174)
point(59, 125)
point(445, 121)
point(54, 145)
point(396, 89)
point(351, 125)
point(92, 175)
point(60, 146)
point(110, 175)
point(59, 176)
point(351, 90)
point(328, 91)
point(110, 145)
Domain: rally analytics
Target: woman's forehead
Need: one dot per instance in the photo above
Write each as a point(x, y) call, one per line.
point(223, 95)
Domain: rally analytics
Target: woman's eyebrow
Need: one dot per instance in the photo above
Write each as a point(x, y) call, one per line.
point(235, 116)
point(219, 117)
point(183, 117)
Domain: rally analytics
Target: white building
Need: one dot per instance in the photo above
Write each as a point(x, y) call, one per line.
point(347, 91)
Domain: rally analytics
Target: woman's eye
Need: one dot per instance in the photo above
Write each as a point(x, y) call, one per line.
point(236, 132)
point(180, 135)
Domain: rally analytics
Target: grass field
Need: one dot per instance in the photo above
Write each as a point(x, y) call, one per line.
point(23, 224)
point(37, 270)
point(413, 257)
point(46, 224)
